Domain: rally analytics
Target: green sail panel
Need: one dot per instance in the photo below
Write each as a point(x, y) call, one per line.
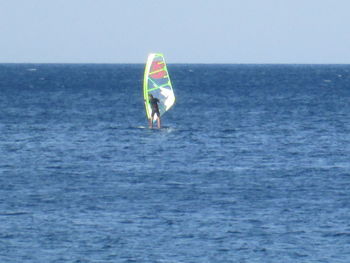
point(157, 83)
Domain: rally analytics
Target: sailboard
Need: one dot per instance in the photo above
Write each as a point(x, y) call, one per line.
point(157, 83)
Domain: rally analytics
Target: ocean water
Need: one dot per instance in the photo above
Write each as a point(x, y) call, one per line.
point(252, 165)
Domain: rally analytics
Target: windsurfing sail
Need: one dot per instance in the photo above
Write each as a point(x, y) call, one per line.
point(157, 83)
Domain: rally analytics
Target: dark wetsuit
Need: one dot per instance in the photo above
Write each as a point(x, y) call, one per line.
point(154, 105)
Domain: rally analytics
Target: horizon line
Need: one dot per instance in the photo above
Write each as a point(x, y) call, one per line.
point(179, 63)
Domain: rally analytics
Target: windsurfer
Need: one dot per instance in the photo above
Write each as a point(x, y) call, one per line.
point(155, 110)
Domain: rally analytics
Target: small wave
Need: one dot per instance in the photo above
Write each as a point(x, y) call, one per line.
point(174, 183)
point(14, 214)
point(342, 234)
point(228, 131)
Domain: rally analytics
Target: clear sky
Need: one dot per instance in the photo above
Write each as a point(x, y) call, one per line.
point(186, 31)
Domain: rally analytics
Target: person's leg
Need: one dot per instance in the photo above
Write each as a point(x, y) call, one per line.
point(158, 120)
point(150, 120)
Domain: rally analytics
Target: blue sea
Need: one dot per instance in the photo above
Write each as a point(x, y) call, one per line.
point(252, 165)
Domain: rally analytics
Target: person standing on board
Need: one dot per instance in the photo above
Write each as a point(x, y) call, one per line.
point(155, 110)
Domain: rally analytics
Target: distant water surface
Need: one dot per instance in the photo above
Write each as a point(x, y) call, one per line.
point(252, 165)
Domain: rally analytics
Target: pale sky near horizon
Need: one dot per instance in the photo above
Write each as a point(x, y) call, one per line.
point(186, 31)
